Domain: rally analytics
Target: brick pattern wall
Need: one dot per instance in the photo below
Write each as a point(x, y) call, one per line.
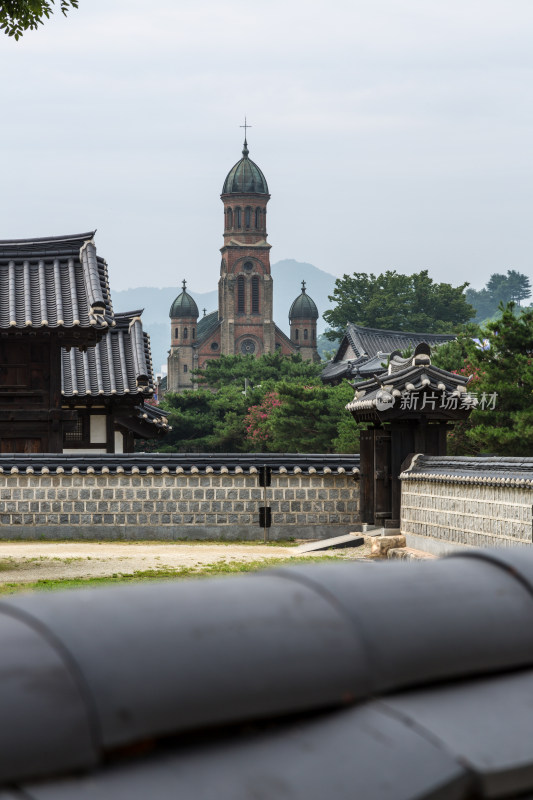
point(467, 513)
point(174, 506)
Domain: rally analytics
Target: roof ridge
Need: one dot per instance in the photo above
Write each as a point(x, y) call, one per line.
point(363, 329)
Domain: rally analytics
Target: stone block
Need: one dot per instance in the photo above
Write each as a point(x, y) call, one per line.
point(381, 545)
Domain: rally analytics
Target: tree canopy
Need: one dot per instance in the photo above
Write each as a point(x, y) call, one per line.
point(284, 408)
point(502, 378)
point(18, 16)
point(398, 302)
point(513, 287)
point(228, 370)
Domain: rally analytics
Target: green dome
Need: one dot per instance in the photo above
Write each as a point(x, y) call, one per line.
point(303, 307)
point(184, 305)
point(245, 177)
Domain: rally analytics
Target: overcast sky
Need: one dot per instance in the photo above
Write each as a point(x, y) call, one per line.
point(394, 134)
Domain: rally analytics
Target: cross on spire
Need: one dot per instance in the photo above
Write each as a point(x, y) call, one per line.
point(184, 284)
point(245, 148)
point(245, 126)
point(303, 287)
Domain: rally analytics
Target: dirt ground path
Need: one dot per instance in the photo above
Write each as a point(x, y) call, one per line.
point(25, 562)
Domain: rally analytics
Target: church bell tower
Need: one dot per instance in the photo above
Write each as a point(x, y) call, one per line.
point(245, 285)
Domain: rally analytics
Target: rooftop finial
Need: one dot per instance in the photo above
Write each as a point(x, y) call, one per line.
point(184, 284)
point(205, 311)
point(245, 150)
point(303, 287)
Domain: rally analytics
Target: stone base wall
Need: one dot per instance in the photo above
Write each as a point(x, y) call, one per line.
point(174, 505)
point(458, 513)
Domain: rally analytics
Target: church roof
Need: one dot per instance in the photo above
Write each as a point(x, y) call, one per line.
point(184, 305)
point(206, 326)
point(304, 307)
point(245, 177)
point(120, 364)
point(53, 282)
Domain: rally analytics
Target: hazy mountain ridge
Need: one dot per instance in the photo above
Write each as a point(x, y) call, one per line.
point(287, 274)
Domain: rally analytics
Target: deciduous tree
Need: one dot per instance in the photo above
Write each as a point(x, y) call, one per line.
point(17, 16)
point(398, 302)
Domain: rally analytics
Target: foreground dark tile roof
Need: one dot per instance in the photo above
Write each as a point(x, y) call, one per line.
point(390, 682)
point(120, 364)
point(54, 282)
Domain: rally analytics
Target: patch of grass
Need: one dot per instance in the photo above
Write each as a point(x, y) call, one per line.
point(203, 571)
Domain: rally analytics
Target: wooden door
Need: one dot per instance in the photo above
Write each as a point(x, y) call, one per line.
point(382, 476)
point(366, 484)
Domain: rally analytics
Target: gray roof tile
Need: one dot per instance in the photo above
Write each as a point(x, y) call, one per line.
point(119, 364)
point(373, 341)
point(57, 282)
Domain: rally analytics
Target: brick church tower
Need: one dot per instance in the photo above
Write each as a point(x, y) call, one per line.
point(245, 285)
point(244, 322)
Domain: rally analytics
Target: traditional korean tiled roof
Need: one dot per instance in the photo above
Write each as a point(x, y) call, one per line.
point(120, 364)
point(179, 463)
point(486, 470)
point(411, 376)
point(371, 342)
point(371, 347)
point(56, 282)
point(153, 415)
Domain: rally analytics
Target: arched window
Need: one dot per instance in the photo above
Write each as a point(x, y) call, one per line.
point(176, 333)
point(313, 335)
point(240, 295)
point(247, 217)
point(229, 219)
point(255, 295)
point(185, 368)
point(296, 334)
point(193, 332)
point(185, 333)
point(238, 218)
point(258, 219)
point(305, 334)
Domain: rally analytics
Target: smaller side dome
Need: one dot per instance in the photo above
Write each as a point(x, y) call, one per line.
point(303, 307)
point(184, 305)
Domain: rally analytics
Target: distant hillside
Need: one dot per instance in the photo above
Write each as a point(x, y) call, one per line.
point(287, 274)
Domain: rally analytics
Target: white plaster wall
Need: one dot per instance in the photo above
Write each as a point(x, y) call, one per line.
point(480, 515)
point(98, 429)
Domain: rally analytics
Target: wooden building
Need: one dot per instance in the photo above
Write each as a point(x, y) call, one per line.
point(60, 340)
point(110, 387)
